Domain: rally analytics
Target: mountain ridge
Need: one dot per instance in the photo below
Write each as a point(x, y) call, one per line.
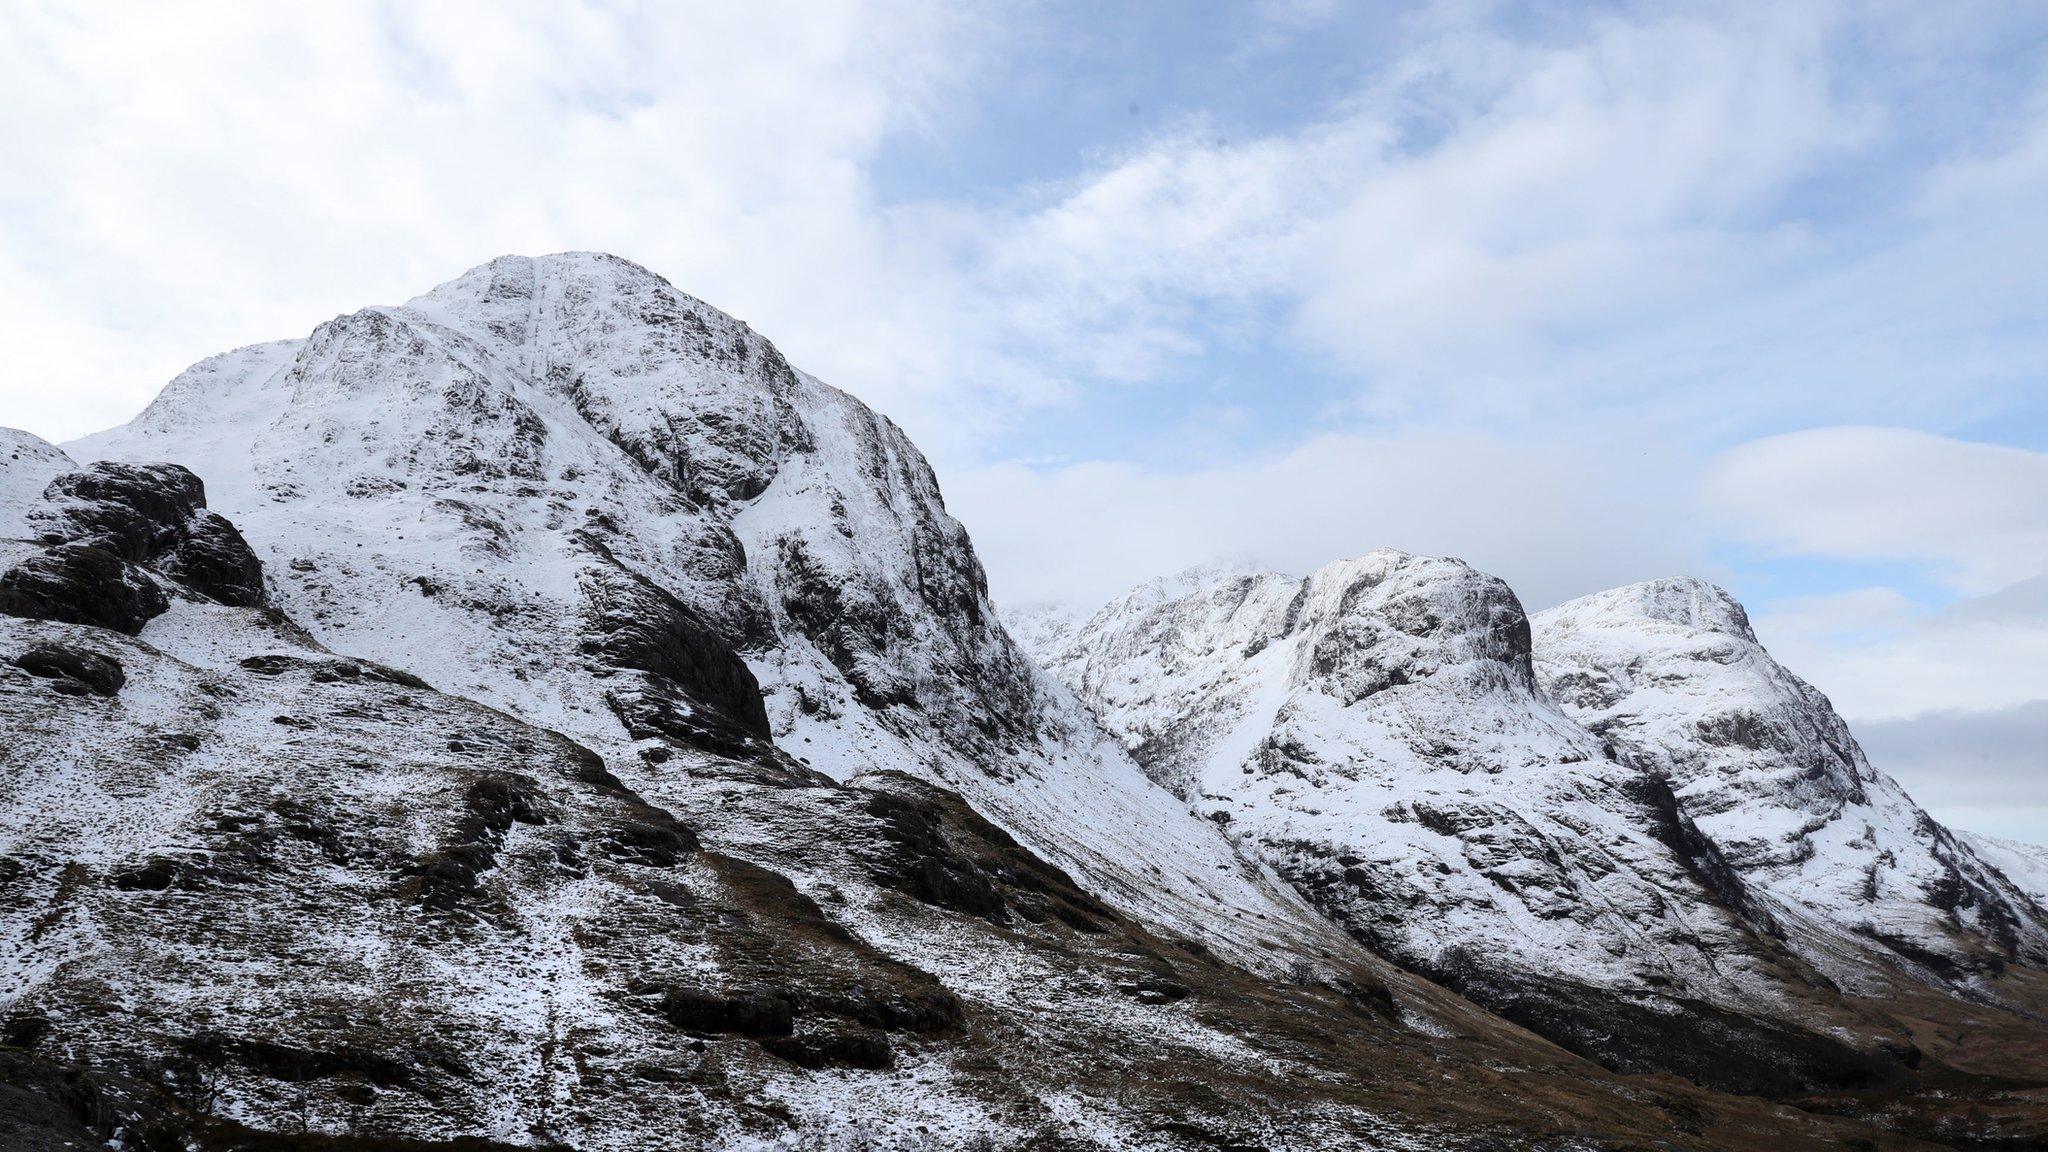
point(1393, 709)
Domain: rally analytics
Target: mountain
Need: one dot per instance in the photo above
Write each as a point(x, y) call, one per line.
point(2025, 865)
point(1671, 671)
point(1375, 731)
point(560, 487)
point(1393, 735)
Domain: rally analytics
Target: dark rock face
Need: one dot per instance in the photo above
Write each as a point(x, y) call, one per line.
point(1705, 1043)
point(155, 515)
point(446, 880)
point(764, 1012)
point(136, 511)
point(698, 690)
point(81, 669)
point(105, 528)
point(214, 559)
point(82, 584)
point(932, 847)
point(47, 1108)
point(841, 1046)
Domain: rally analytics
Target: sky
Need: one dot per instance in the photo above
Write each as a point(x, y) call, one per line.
point(1583, 294)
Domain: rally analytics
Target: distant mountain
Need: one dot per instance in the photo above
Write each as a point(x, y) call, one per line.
point(1630, 831)
point(2025, 865)
point(1670, 671)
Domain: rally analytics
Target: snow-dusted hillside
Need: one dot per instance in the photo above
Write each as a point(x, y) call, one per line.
point(1670, 671)
point(584, 726)
point(490, 484)
point(258, 895)
point(2026, 865)
point(1375, 731)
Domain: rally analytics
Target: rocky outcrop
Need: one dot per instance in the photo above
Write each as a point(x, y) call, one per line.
point(112, 538)
point(81, 584)
point(73, 670)
point(153, 515)
point(695, 689)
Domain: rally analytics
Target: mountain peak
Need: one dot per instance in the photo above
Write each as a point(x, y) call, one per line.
point(1684, 602)
point(561, 487)
point(1375, 732)
point(1670, 671)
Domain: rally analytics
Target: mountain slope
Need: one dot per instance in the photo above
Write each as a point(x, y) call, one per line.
point(257, 895)
point(489, 484)
point(1375, 731)
point(1671, 671)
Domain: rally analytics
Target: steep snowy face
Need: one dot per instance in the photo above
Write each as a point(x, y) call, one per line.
point(1758, 759)
point(563, 488)
point(27, 464)
point(1375, 731)
point(2026, 865)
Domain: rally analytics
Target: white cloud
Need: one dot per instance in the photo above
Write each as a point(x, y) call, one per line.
point(1986, 771)
point(1975, 514)
point(1495, 223)
point(1484, 199)
point(183, 178)
point(1577, 184)
point(1879, 658)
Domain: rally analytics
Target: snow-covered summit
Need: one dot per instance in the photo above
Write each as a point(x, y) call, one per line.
point(2026, 865)
point(1679, 602)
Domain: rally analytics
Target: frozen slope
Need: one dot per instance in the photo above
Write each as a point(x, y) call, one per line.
point(565, 489)
point(1376, 733)
point(1671, 671)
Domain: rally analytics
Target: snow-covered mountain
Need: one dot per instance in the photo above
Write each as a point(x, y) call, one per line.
point(564, 488)
point(1377, 731)
point(1670, 671)
point(2025, 865)
point(539, 715)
